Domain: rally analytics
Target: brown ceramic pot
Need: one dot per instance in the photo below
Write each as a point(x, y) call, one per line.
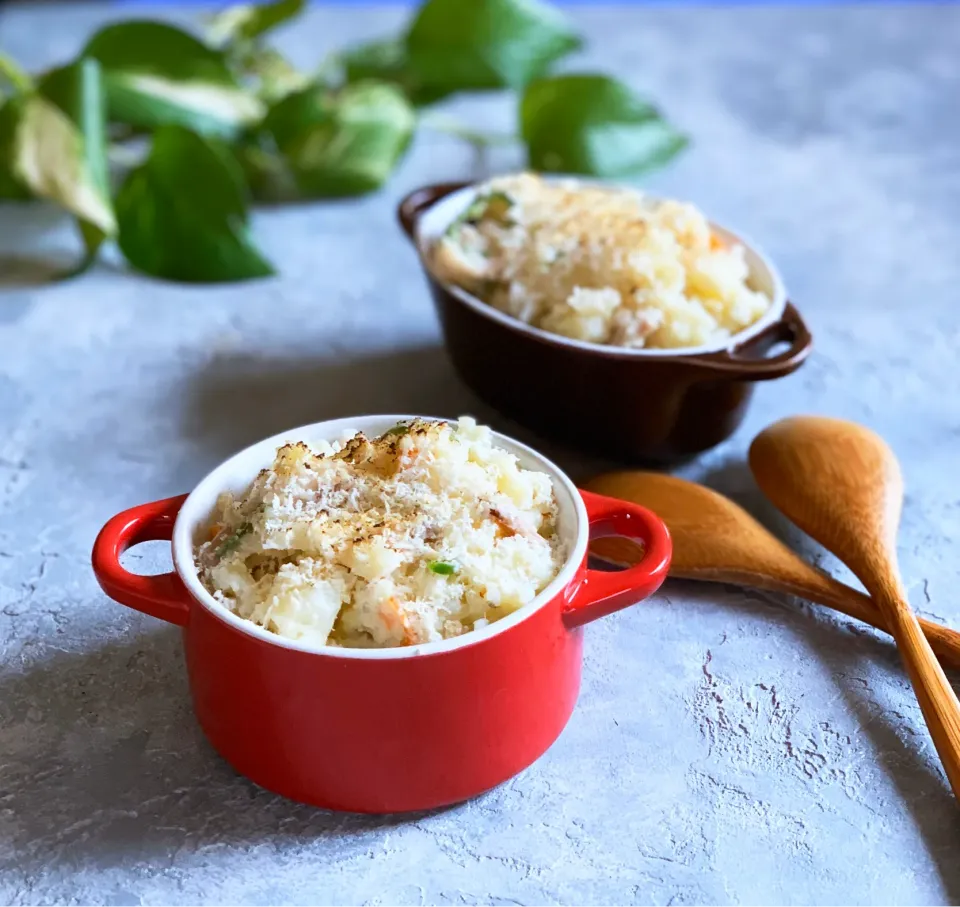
point(634, 405)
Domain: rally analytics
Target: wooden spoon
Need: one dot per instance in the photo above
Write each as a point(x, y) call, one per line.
point(841, 484)
point(716, 540)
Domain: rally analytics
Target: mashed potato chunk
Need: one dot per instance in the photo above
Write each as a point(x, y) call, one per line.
point(599, 264)
point(422, 534)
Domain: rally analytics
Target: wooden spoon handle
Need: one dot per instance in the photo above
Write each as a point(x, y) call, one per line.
point(802, 581)
point(938, 702)
point(944, 642)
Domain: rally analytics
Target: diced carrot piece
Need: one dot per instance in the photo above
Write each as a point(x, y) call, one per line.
point(390, 612)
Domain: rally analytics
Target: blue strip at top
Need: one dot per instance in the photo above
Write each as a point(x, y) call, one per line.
point(661, 3)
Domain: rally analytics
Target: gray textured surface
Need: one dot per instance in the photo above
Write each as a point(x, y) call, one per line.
point(728, 747)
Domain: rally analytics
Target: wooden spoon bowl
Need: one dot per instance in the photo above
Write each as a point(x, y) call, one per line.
point(716, 540)
point(842, 484)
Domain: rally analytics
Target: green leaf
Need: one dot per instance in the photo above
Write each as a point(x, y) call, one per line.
point(11, 188)
point(54, 139)
point(386, 60)
point(267, 173)
point(595, 125)
point(158, 75)
point(442, 568)
point(343, 143)
point(183, 212)
point(275, 75)
point(77, 91)
point(248, 21)
point(53, 146)
point(455, 45)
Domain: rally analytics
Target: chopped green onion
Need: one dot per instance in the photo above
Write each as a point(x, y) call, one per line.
point(397, 430)
point(498, 204)
point(232, 543)
point(494, 206)
point(475, 211)
point(442, 568)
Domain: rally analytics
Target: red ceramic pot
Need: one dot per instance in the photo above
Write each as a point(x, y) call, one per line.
point(382, 730)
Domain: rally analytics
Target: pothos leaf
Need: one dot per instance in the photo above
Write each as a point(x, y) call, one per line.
point(594, 124)
point(462, 46)
point(157, 75)
point(247, 21)
point(53, 140)
point(11, 114)
point(77, 90)
point(276, 77)
point(183, 212)
point(387, 60)
point(266, 170)
point(341, 143)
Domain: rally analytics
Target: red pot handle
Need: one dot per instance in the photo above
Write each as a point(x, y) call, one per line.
point(163, 596)
point(602, 593)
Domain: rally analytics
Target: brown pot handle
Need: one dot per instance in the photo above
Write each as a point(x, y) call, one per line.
point(414, 204)
point(746, 361)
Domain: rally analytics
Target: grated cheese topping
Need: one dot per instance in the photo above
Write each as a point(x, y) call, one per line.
point(422, 534)
point(599, 264)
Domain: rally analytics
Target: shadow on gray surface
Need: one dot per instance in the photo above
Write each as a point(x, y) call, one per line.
point(111, 768)
point(20, 272)
point(38, 244)
point(238, 400)
point(900, 741)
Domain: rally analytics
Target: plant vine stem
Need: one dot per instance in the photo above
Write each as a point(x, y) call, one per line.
point(16, 76)
point(450, 126)
point(328, 67)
